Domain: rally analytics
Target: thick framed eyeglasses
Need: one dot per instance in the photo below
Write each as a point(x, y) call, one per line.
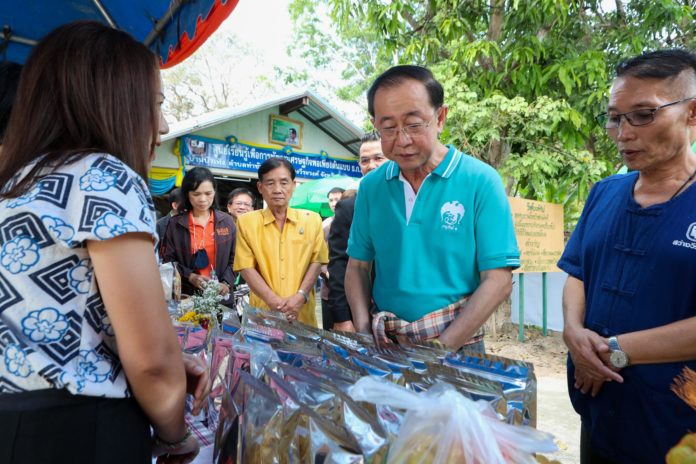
point(636, 118)
point(411, 130)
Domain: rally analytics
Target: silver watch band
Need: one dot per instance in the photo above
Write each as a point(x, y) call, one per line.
point(304, 295)
point(613, 343)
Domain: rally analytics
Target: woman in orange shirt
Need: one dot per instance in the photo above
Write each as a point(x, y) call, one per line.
point(201, 239)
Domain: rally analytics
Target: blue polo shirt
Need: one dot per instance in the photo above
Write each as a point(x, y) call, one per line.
point(638, 266)
point(460, 225)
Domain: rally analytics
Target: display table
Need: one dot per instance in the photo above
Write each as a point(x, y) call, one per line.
point(289, 390)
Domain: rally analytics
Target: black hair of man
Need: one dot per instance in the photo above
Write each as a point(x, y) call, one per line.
point(9, 81)
point(397, 75)
point(240, 191)
point(273, 163)
point(668, 65)
point(659, 64)
point(370, 137)
point(175, 197)
point(293, 131)
point(335, 190)
point(192, 180)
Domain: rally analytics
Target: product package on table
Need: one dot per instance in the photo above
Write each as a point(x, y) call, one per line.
point(287, 392)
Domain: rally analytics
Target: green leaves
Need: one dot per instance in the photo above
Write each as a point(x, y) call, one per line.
point(523, 79)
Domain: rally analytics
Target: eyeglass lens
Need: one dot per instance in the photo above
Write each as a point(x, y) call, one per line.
point(640, 117)
point(634, 118)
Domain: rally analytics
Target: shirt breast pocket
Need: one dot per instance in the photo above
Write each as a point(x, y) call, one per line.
point(300, 245)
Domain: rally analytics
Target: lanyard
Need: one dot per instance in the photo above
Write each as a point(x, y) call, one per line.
point(205, 231)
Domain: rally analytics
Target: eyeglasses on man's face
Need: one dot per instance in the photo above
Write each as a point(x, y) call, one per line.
point(410, 130)
point(636, 118)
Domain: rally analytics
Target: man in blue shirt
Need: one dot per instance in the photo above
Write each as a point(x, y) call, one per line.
point(435, 222)
point(630, 301)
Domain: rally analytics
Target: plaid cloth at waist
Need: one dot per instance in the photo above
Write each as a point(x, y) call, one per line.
point(386, 326)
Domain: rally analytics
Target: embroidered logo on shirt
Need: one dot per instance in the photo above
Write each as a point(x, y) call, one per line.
point(691, 232)
point(451, 214)
point(690, 235)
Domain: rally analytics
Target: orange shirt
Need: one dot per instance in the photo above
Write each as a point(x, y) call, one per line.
point(203, 237)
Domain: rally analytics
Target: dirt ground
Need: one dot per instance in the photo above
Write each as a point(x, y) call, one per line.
point(547, 353)
point(554, 411)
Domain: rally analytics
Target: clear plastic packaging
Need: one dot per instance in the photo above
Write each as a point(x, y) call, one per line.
point(442, 426)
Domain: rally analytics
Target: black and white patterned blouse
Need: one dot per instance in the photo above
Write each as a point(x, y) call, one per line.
point(54, 330)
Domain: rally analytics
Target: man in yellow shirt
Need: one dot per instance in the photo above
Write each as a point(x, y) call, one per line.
point(280, 250)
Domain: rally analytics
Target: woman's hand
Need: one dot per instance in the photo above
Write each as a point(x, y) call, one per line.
point(182, 453)
point(223, 289)
point(198, 382)
point(148, 347)
point(197, 280)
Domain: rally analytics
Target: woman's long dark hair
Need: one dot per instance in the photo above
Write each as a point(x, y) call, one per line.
point(85, 88)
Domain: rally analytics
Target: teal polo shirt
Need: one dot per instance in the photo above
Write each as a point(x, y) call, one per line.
point(460, 225)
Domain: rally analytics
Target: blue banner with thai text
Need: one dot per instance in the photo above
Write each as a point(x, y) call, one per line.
point(243, 156)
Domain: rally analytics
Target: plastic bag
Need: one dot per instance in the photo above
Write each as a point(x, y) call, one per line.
point(309, 434)
point(441, 426)
point(516, 377)
point(324, 398)
point(171, 281)
point(166, 271)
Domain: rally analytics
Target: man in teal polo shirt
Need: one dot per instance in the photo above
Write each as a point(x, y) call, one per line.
point(435, 222)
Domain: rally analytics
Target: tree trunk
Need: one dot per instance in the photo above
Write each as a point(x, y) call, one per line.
point(495, 27)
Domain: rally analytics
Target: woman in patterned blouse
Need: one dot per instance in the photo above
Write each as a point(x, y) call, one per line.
point(89, 360)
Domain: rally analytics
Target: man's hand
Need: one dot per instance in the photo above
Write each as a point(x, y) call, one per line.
point(444, 343)
point(275, 302)
point(358, 285)
point(291, 306)
point(586, 349)
point(198, 381)
point(346, 326)
point(604, 356)
point(363, 326)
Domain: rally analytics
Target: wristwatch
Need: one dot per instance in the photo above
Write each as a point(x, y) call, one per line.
point(304, 295)
point(617, 357)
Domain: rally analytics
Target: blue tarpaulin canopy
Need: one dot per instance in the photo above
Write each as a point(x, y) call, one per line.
point(173, 29)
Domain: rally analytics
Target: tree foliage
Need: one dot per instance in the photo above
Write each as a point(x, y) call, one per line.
point(223, 73)
point(524, 79)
